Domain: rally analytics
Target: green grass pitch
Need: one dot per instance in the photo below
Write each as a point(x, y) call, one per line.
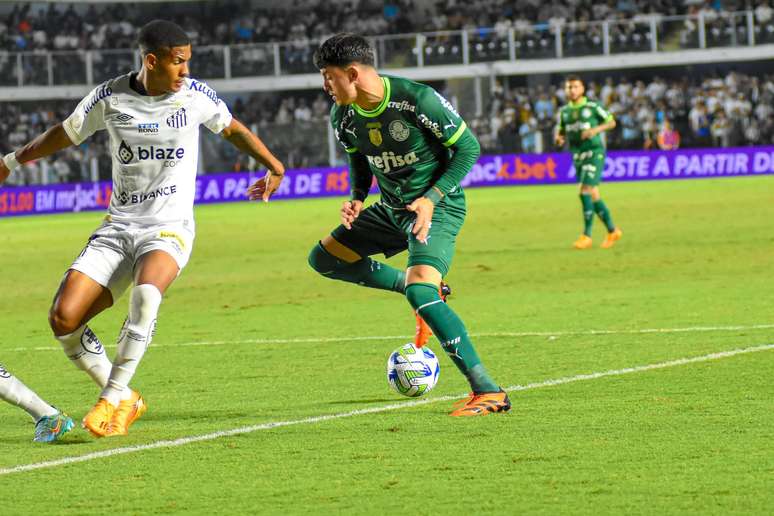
point(250, 335)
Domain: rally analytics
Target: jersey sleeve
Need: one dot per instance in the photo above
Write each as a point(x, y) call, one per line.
point(438, 116)
point(215, 113)
point(218, 117)
point(89, 116)
point(603, 113)
point(560, 122)
point(360, 174)
point(341, 135)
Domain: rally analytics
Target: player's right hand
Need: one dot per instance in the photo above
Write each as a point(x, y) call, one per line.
point(4, 172)
point(349, 212)
point(559, 140)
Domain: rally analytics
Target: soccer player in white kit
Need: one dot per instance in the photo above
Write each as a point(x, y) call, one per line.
point(50, 422)
point(153, 119)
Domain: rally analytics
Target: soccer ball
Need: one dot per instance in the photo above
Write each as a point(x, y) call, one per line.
point(412, 371)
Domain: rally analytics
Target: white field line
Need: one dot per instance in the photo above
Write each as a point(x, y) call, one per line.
point(556, 334)
point(385, 408)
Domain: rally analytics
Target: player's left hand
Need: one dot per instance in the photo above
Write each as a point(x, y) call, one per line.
point(587, 134)
point(265, 187)
point(424, 208)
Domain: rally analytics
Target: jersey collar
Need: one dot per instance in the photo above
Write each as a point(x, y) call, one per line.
point(378, 110)
point(581, 102)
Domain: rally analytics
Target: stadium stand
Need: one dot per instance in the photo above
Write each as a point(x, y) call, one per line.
point(46, 44)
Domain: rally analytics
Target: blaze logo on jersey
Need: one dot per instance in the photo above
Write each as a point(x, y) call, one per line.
point(125, 153)
point(177, 119)
point(167, 153)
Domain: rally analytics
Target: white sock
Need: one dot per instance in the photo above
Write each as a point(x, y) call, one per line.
point(15, 392)
point(85, 350)
point(134, 340)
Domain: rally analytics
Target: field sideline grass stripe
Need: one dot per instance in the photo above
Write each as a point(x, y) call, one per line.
point(302, 340)
point(385, 408)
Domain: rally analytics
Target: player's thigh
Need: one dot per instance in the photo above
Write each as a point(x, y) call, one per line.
point(78, 299)
point(97, 277)
point(374, 231)
point(161, 254)
point(438, 251)
point(589, 168)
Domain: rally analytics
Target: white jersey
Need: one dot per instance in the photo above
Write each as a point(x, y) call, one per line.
point(154, 144)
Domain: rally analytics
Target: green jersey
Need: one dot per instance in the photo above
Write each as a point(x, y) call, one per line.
point(413, 141)
point(574, 118)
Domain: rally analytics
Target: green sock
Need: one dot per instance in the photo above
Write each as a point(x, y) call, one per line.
point(366, 272)
point(588, 213)
point(604, 214)
point(450, 330)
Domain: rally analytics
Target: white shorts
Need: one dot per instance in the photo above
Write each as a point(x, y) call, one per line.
point(114, 248)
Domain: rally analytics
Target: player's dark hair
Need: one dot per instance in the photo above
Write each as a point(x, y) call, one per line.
point(574, 77)
point(344, 49)
point(159, 36)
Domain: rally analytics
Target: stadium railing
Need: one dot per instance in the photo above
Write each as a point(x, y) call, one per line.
point(643, 34)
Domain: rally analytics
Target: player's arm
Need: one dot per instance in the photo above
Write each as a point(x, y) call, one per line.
point(46, 144)
point(559, 135)
point(607, 124)
point(360, 179)
point(442, 121)
point(247, 142)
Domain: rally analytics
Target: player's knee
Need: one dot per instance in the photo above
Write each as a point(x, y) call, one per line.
point(62, 321)
point(144, 304)
point(420, 295)
point(322, 261)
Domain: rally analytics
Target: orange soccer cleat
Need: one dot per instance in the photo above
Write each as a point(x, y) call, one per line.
point(127, 412)
point(583, 242)
point(97, 421)
point(612, 238)
point(483, 404)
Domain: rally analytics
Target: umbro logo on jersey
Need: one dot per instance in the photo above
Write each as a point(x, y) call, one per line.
point(123, 117)
point(178, 119)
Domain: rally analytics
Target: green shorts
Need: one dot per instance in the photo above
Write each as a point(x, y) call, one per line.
point(589, 166)
point(379, 229)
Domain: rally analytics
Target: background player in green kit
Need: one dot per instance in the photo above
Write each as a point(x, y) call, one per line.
point(416, 145)
point(581, 122)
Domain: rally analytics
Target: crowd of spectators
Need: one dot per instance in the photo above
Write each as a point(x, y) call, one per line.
point(719, 110)
point(61, 26)
point(727, 110)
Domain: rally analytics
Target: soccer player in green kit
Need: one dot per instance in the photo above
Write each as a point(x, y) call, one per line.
point(581, 122)
point(418, 147)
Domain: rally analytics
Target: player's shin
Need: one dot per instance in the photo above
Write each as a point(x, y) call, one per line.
point(604, 214)
point(84, 349)
point(588, 213)
point(450, 330)
point(366, 272)
point(135, 337)
point(16, 393)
